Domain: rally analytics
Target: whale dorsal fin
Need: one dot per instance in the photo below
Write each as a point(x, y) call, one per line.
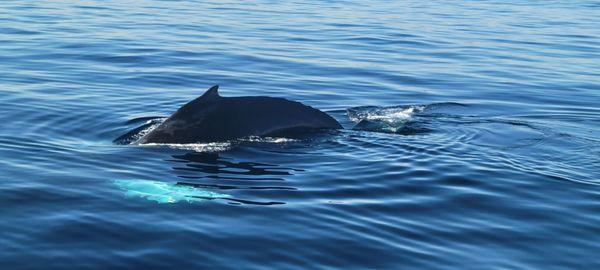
point(211, 93)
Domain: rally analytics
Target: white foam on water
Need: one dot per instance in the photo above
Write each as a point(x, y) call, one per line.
point(390, 119)
point(197, 147)
point(390, 115)
point(268, 139)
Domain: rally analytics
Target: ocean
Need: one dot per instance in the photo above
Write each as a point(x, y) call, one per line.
point(471, 135)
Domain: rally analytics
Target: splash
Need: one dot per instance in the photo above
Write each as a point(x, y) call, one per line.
point(388, 114)
point(388, 119)
point(162, 192)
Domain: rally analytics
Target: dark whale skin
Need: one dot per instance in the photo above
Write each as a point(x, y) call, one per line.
point(212, 118)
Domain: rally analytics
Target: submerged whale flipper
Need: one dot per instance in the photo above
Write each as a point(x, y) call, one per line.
point(211, 118)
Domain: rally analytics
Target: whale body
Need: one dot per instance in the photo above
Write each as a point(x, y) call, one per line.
point(212, 118)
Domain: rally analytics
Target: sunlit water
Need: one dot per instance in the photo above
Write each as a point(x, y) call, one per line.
point(471, 135)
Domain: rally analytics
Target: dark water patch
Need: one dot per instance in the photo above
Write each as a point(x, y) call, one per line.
point(225, 187)
point(17, 31)
point(214, 164)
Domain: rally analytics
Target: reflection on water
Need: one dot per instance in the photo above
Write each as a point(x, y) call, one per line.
point(209, 170)
point(221, 168)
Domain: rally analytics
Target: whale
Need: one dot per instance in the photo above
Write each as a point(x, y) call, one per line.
point(213, 118)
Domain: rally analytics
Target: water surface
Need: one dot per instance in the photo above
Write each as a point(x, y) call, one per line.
point(475, 143)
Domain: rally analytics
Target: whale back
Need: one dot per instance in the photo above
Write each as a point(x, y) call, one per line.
point(211, 118)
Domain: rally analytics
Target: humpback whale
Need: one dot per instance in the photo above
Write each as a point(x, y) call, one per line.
point(212, 118)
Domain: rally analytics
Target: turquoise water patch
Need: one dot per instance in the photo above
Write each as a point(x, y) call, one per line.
point(163, 192)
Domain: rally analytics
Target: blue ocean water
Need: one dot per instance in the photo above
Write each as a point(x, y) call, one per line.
point(471, 142)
